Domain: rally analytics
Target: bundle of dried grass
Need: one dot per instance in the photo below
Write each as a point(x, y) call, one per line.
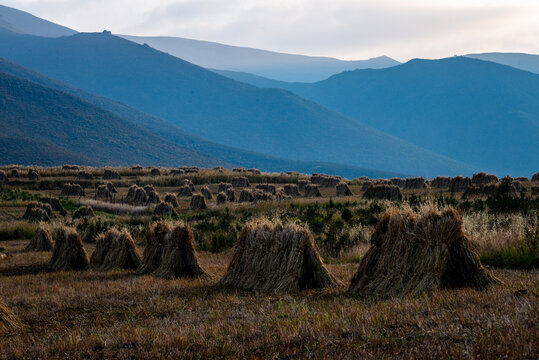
point(488, 189)
point(342, 189)
point(83, 211)
point(179, 258)
point(460, 183)
point(177, 172)
point(72, 190)
point(397, 182)
point(260, 195)
point(383, 192)
point(198, 202)
point(172, 200)
point(206, 192)
point(155, 172)
point(8, 320)
point(164, 209)
point(441, 182)
point(70, 167)
point(413, 253)
point(84, 175)
point(189, 169)
point(69, 253)
point(136, 168)
point(415, 183)
point(38, 212)
point(54, 203)
point(110, 186)
point(189, 183)
point(254, 171)
point(302, 184)
point(111, 174)
point(231, 195)
point(246, 195)
point(32, 174)
point(153, 197)
point(155, 244)
point(240, 182)
point(484, 179)
point(535, 177)
point(312, 190)
point(185, 191)
point(221, 198)
point(268, 188)
point(291, 190)
point(136, 194)
point(223, 187)
point(14, 173)
point(115, 250)
point(325, 180)
point(102, 192)
point(270, 256)
point(42, 239)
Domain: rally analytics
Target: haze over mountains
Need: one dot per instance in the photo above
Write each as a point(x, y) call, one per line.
point(24, 23)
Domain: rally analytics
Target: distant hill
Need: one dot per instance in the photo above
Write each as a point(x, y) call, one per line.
point(268, 121)
point(521, 61)
point(274, 65)
point(475, 111)
point(24, 23)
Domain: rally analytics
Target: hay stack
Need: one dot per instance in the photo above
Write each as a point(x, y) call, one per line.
point(312, 190)
point(254, 171)
point(38, 212)
point(268, 188)
point(176, 172)
point(223, 187)
point(69, 253)
point(397, 182)
point(415, 183)
point(84, 175)
point(459, 183)
point(83, 211)
point(239, 169)
point(42, 240)
point(270, 256)
point(110, 186)
point(535, 190)
point(189, 169)
point(54, 203)
point(32, 175)
point(325, 180)
point(206, 192)
point(172, 200)
point(441, 182)
point(260, 195)
point(489, 189)
point(291, 190)
point(185, 191)
point(102, 192)
point(415, 253)
point(189, 183)
point(136, 194)
point(155, 244)
point(70, 167)
point(231, 195)
point(153, 197)
point(72, 190)
point(115, 250)
point(484, 179)
point(383, 192)
point(302, 184)
point(110, 174)
point(14, 173)
point(246, 195)
point(136, 168)
point(8, 320)
point(342, 189)
point(164, 209)
point(3, 176)
point(221, 198)
point(198, 202)
point(155, 172)
point(179, 258)
point(240, 182)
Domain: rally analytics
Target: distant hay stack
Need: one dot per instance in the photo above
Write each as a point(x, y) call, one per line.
point(397, 182)
point(155, 244)
point(198, 202)
point(221, 198)
point(223, 187)
point(184, 191)
point(136, 168)
point(72, 190)
point(165, 209)
point(42, 239)
point(8, 320)
point(383, 192)
point(302, 184)
point(440, 182)
point(268, 188)
point(291, 190)
point(83, 212)
point(189, 183)
point(488, 189)
point(111, 175)
point(260, 195)
point(535, 177)
point(254, 171)
point(136, 194)
point(484, 179)
point(240, 182)
point(69, 253)
point(32, 174)
point(414, 253)
point(84, 175)
point(273, 257)
point(38, 212)
point(312, 190)
point(415, 183)
point(70, 167)
point(342, 189)
point(155, 172)
point(206, 192)
point(153, 197)
point(172, 200)
point(231, 195)
point(535, 191)
point(115, 250)
point(246, 195)
point(325, 180)
point(102, 192)
point(55, 204)
point(179, 258)
point(459, 183)
point(14, 173)
point(3, 176)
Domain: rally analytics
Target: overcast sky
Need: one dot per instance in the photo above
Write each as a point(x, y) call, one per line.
point(347, 29)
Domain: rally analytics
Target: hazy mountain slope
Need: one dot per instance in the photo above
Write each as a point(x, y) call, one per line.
point(173, 133)
point(260, 81)
point(48, 116)
point(476, 111)
point(24, 23)
point(521, 61)
point(275, 65)
point(206, 104)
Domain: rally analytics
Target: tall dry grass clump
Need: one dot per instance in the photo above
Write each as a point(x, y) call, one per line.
point(69, 253)
point(42, 240)
point(115, 250)
point(271, 256)
point(8, 320)
point(155, 244)
point(413, 253)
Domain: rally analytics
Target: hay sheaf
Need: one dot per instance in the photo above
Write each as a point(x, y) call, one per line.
point(69, 252)
point(312, 190)
point(246, 195)
point(414, 183)
point(240, 182)
point(172, 200)
point(412, 253)
point(3, 176)
point(165, 209)
point(111, 174)
point(115, 250)
point(55, 204)
point(83, 211)
point(397, 181)
point(325, 180)
point(302, 184)
point(342, 189)
point(136, 194)
point(102, 192)
point(459, 183)
point(38, 212)
point(42, 239)
point(440, 182)
point(269, 188)
point(484, 179)
point(291, 190)
point(189, 183)
point(155, 172)
point(72, 190)
point(8, 320)
point(206, 192)
point(198, 202)
point(535, 177)
point(231, 195)
point(383, 192)
point(155, 244)
point(221, 198)
point(84, 175)
point(185, 191)
point(32, 175)
point(223, 187)
point(153, 197)
point(272, 257)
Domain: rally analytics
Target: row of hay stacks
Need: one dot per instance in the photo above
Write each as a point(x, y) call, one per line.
point(325, 180)
point(14, 173)
point(142, 195)
point(383, 192)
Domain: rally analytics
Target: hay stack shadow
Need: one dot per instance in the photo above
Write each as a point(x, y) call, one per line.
point(272, 257)
point(42, 239)
point(69, 253)
point(115, 250)
point(413, 253)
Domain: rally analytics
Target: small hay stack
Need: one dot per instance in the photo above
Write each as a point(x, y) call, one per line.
point(312, 190)
point(223, 187)
point(221, 198)
point(164, 209)
point(136, 194)
point(8, 320)
point(38, 212)
point(177, 172)
point(254, 171)
point(155, 172)
point(198, 202)
point(102, 192)
point(137, 168)
point(484, 179)
point(206, 192)
point(172, 200)
point(3, 176)
point(415, 183)
point(14, 173)
point(189, 183)
point(55, 204)
point(111, 174)
point(535, 177)
point(155, 244)
point(69, 253)
point(302, 184)
point(185, 191)
point(414, 253)
point(268, 188)
point(115, 250)
point(231, 195)
point(383, 192)
point(83, 211)
point(32, 175)
point(42, 239)
point(272, 257)
point(397, 181)
point(441, 182)
point(246, 195)
point(291, 190)
point(179, 257)
point(459, 183)
point(72, 190)
point(342, 189)
point(260, 195)
point(240, 182)
point(84, 175)
point(153, 197)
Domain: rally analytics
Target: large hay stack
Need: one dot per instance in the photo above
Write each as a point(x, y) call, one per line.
point(291, 190)
point(185, 191)
point(459, 183)
point(441, 182)
point(414, 183)
point(136, 194)
point(206, 192)
point(325, 180)
point(383, 192)
point(42, 239)
point(484, 179)
point(83, 211)
point(198, 202)
point(155, 172)
point(312, 190)
point(270, 256)
point(414, 253)
point(396, 181)
point(111, 175)
point(302, 184)
point(240, 182)
point(153, 197)
point(155, 244)
point(69, 253)
point(38, 212)
point(342, 189)
point(115, 250)
point(103, 192)
point(8, 320)
point(32, 174)
point(72, 190)
point(165, 209)
point(55, 204)
point(231, 195)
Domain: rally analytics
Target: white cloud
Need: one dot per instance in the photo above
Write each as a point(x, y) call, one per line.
point(341, 28)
